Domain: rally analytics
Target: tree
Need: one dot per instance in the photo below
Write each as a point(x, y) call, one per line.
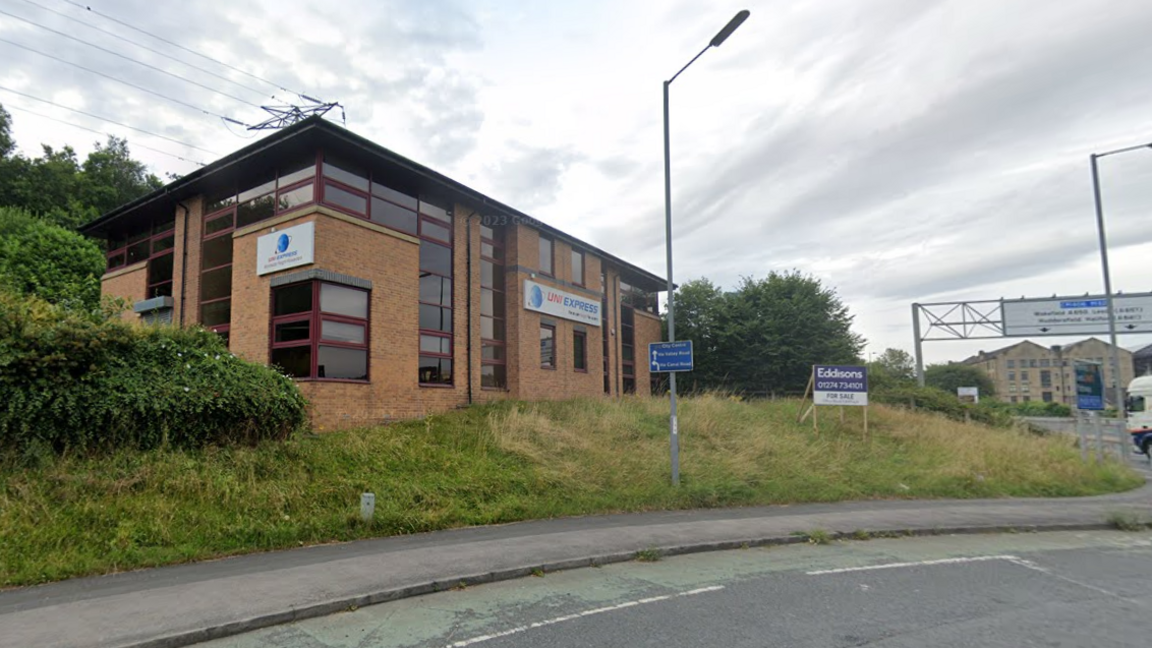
point(948, 377)
point(893, 368)
point(53, 263)
point(771, 331)
point(698, 307)
point(6, 142)
point(58, 188)
point(112, 178)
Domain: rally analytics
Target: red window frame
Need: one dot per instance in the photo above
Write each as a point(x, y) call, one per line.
point(450, 308)
point(628, 341)
point(552, 364)
point(149, 241)
point(580, 352)
point(369, 195)
point(493, 237)
point(551, 271)
point(316, 318)
point(232, 205)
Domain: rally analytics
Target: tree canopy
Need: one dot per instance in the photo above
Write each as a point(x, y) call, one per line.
point(765, 335)
point(948, 377)
point(49, 261)
point(59, 188)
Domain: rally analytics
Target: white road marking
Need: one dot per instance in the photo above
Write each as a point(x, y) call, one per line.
point(578, 615)
point(1015, 560)
point(922, 563)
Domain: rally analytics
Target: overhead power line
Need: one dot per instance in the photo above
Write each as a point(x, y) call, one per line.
point(150, 49)
point(93, 130)
point(190, 51)
point(105, 119)
point(129, 58)
point(127, 83)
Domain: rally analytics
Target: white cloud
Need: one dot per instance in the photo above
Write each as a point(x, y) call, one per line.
point(901, 150)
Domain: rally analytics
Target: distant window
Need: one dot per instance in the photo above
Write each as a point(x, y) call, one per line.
point(1011, 376)
point(545, 255)
point(1024, 376)
point(1045, 362)
point(1046, 396)
point(1014, 399)
point(1011, 364)
point(1032, 362)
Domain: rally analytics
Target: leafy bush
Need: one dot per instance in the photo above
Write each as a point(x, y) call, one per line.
point(48, 261)
point(1036, 408)
point(942, 402)
point(74, 379)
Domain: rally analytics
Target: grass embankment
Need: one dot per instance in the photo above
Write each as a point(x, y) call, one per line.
point(501, 463)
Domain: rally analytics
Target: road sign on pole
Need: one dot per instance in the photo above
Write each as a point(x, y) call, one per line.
point(670, 356)
point(1089, 386)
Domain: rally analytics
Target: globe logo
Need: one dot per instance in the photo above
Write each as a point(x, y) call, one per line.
point(282, 243)
point(536, 297)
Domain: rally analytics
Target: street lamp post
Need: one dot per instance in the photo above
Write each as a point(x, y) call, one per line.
point(1118, 388)
point(674, 438)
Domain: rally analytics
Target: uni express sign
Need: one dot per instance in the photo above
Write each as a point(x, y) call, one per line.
point(560, 303)
point(288, 248)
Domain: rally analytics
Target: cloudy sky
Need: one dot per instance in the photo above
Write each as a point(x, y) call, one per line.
point(901, 150)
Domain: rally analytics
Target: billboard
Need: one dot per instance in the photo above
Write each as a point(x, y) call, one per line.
point(840, 385)
point(1089, 386)
point(1076, 315)
point(560, 303)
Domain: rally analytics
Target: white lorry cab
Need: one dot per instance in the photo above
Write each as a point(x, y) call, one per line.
point(1139, 407)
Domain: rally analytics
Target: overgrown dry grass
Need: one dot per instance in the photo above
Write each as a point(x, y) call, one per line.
point(501, 463)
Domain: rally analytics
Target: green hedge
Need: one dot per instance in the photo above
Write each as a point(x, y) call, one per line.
point(73, 379)
point(942, 402)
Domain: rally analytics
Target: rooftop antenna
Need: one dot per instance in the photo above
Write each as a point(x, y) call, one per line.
point(283, 116)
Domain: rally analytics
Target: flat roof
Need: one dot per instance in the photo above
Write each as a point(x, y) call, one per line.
point(251, 162)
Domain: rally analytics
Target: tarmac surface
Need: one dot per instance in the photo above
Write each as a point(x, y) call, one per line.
point(1084, 588)
point(186, 604)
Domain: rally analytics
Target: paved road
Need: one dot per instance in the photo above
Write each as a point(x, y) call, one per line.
point(1044, 589)
point(180, 605)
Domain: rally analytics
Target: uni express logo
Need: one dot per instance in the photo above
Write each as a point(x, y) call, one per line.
point(536, 297)
point(282, 243)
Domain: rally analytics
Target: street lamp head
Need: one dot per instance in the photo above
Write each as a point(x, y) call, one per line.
point(736, 21)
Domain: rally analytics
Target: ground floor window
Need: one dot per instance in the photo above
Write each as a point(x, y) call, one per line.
point(320, 331)
point(580, 351)
point(547, 346)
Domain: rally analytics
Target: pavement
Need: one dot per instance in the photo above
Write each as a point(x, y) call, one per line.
point(186, 604)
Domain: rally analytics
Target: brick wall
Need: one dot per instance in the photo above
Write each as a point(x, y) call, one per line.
point(130, 283)
point(648, 329)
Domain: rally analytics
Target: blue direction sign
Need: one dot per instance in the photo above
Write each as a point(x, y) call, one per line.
point(670, 356)
point(1089, 386)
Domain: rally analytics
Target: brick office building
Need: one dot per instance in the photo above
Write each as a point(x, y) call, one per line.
point(387, 289)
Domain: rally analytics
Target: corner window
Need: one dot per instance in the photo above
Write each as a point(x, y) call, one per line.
point(155, 243)
point(320, 331)
point(547, 346)
point(546, 255)
point(580, 351)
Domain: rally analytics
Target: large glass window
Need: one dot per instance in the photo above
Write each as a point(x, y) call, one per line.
point(320, 330)
point(493, 364)
point(291, 185)
point(154, 242)
point(435, 295)
point(545, 255)
point(639, 299)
